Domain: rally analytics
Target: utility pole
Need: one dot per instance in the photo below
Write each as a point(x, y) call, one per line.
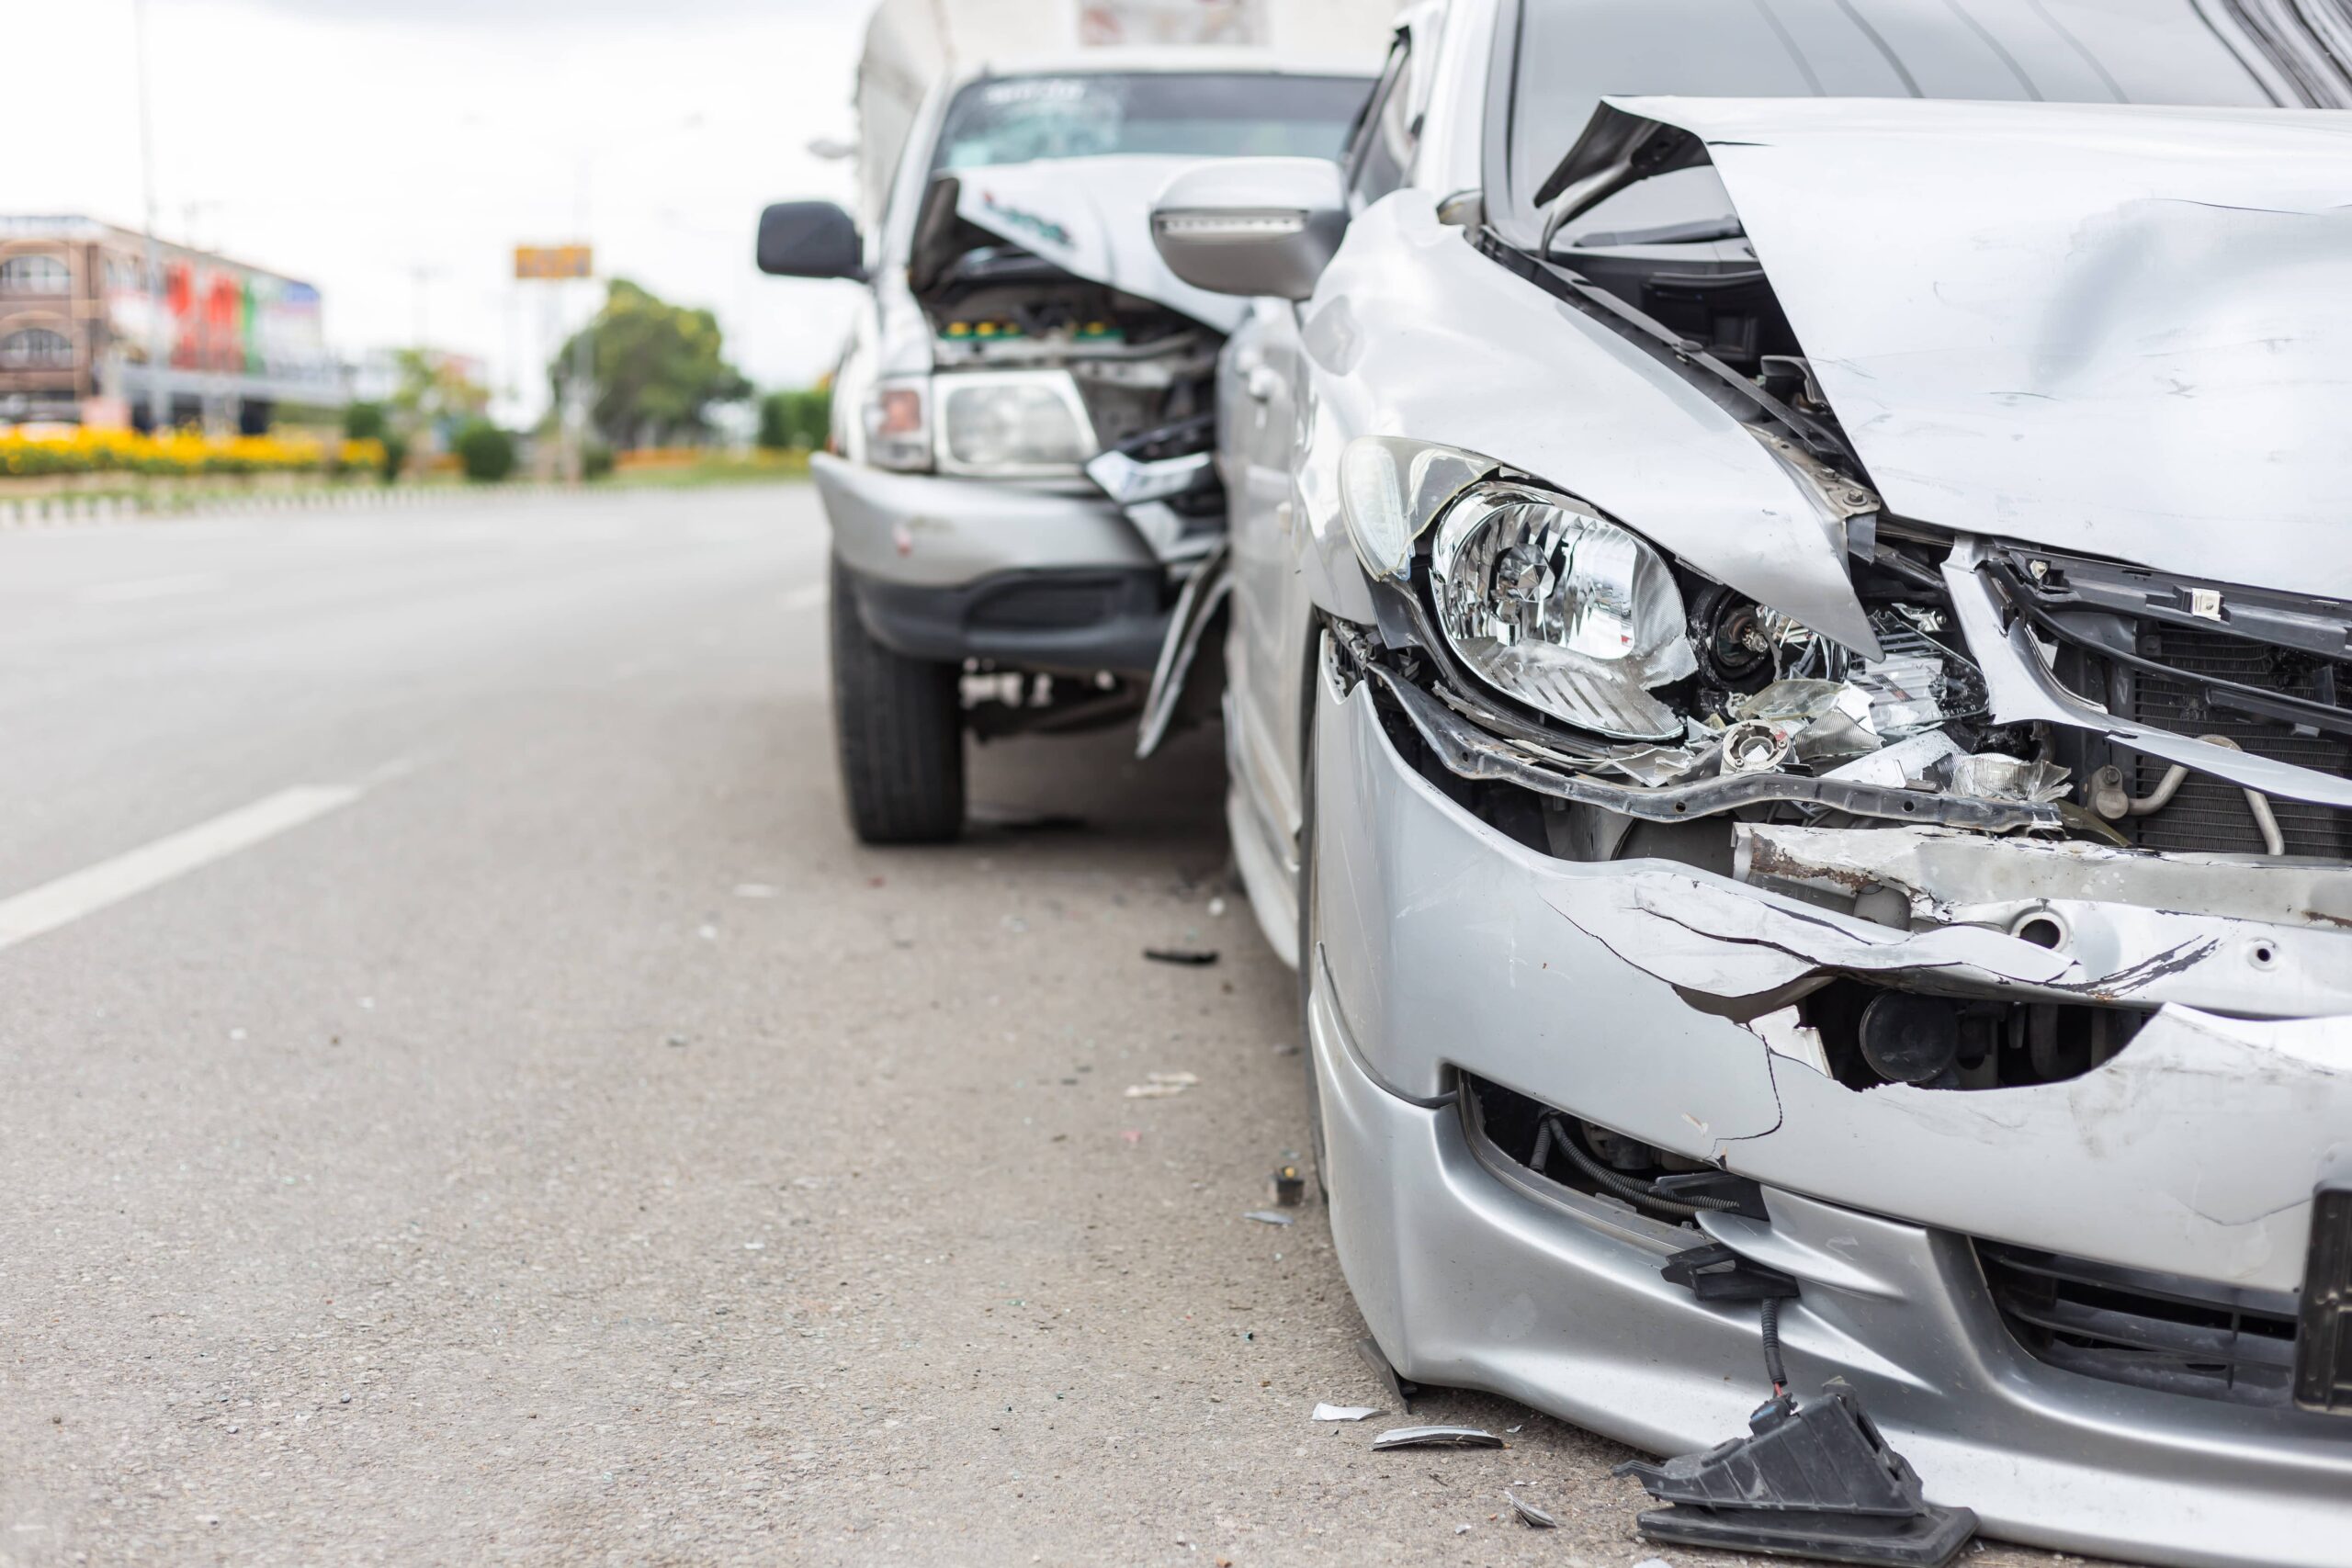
point(158, 332)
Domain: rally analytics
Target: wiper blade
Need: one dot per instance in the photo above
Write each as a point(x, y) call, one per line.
point(1691, 232)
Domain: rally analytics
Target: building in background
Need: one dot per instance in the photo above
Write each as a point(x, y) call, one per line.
point(79, 324)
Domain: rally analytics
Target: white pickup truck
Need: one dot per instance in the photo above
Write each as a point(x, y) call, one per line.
point(1019, 481)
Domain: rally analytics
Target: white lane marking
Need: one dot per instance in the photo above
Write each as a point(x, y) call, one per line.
point(805, 598)
point(148, 588)
point(83, 892)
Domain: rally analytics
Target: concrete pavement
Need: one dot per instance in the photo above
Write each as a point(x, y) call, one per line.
point(503, 1118)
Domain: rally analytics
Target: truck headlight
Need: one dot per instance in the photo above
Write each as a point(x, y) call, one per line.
point(1553, 603)
point(898, 423)
point(1011, 422)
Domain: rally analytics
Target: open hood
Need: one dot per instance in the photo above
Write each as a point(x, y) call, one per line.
point(1092, 217)
point(2118, 330)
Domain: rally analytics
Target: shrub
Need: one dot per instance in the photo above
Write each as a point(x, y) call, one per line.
point(395, 456)
point(596, 460)
point(793, 420)
point(365, 421)
point(486, 452)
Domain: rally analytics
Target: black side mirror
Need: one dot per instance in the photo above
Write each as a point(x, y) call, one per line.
point(811, 238)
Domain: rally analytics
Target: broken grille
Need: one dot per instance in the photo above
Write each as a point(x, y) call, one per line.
point(2152, 1331)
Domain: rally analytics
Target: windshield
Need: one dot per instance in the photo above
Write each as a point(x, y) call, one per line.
point(1567, 53)
point(1024, 119)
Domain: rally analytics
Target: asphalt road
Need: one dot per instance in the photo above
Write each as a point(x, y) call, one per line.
point(467, 1099)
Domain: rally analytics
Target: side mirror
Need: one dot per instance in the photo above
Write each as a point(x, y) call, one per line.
point(1252, 226)
point(811, 238)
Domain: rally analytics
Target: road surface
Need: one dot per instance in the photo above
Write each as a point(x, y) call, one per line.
point(469, 1100)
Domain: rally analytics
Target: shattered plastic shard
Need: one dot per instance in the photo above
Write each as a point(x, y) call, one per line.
point(1436, 1438)
point(1271, 1217)
point(1531, 1515)
point(1345, 1412)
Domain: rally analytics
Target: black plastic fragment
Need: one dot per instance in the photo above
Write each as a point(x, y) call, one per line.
point(1715, 1273)
point(1191, 957)
point(1814, 1480)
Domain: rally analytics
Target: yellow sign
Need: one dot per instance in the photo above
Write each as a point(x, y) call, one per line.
point(554, 261)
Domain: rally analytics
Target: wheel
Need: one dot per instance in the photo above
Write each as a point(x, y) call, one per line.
point(1309, 933)
point(899, 728)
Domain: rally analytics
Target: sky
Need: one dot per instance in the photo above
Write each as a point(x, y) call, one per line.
point(395, 152)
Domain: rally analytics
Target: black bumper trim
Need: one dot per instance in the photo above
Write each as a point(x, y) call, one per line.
point(1077, 621)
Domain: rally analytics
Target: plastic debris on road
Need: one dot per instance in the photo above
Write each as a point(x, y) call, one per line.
point(1160, 1086)
point(1531, 1515)
point(1191, 957)
point(1436, 1438)
point(1345, 1412)
point(1271, 1217)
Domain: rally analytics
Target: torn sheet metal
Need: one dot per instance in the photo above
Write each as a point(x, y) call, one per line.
point(1092, 217)
point(2129, 339)
point(1436, 1438)
point(2227, 932)
point(1204, 594)
point(1716, 939)
point(1471, 752)
point(2023, 690)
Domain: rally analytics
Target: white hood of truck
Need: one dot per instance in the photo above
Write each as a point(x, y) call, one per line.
point(1092, 217)
point(2123, 331)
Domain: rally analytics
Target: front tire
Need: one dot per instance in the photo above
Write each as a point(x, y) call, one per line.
point(898, 729)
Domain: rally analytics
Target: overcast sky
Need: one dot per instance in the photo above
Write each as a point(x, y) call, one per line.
point(358, 143)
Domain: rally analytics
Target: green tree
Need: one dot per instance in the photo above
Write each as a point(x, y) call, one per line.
point(486, 452)
point(798, 419)
point(365, 421)
point(654, 368)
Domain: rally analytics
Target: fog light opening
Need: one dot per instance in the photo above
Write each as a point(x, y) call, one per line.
point(2043, 928)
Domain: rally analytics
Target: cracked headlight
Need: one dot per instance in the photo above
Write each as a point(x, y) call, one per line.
point(1553, 603)
point(1010, 422)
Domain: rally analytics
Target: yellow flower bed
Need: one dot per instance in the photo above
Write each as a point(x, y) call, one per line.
point(66, 450)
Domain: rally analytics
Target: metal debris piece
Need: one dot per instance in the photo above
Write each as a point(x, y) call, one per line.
point(1753, 746)
point(1918, 763)
point(1160, 1085)
point(1193, 957)
point(1271, 1217)
point(1436, 1438)
point(1345, 1412)
point(1992, 776)
point(1531, 1515)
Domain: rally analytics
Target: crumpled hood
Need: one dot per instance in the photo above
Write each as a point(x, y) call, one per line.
point(1092, 217)
point(2121, 330)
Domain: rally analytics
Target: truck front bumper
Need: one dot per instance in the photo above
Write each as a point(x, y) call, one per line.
point(1023, 576)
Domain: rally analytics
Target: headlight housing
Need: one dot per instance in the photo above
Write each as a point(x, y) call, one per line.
point(1011, 422)
point(1555, 605)
point(898, 423)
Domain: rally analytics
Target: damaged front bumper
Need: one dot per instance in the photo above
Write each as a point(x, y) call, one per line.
point(1026, 575)
point(1653, 998)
